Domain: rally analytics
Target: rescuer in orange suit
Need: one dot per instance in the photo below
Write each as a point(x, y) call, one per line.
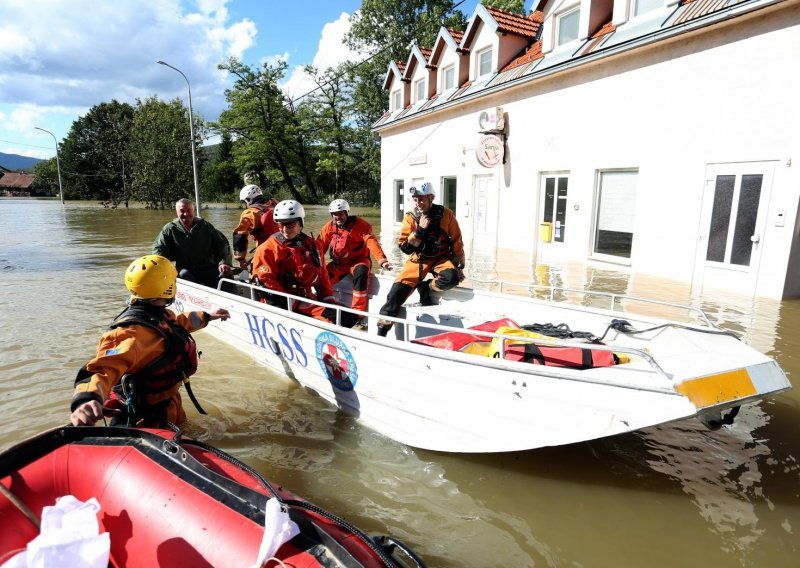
point(290, 261)
point(144, 357)
point(350, 241)
point(432, 239)
point(257, 220)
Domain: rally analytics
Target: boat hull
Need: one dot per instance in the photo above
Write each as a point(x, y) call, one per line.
point(458, 402)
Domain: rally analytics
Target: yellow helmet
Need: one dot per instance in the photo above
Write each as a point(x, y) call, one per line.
point(151, 276)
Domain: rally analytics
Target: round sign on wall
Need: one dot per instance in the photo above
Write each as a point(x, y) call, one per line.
point(489, 151)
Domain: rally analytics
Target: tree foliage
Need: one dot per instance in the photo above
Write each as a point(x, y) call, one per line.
point(386, 29)
point(94, 155)
point(269, 141)
point(513, 6)
point(45, 176)
point(221, 182)
point(160, 147)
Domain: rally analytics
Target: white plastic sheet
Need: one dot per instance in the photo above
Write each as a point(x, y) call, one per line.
point(278, 529)
point(70, 536)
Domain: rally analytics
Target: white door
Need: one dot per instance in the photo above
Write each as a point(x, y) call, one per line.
point(732, 222)
point(481, 217)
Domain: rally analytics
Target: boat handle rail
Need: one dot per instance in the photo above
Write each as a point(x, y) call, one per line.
point(614, 298)
point(406, 325)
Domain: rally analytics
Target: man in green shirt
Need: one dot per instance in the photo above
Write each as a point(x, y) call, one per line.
point(201, 253)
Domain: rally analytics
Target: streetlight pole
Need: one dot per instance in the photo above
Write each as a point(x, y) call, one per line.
point(191, 134)
point(58, 163)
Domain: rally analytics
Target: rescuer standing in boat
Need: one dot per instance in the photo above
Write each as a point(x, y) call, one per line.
point(145, 356)
point(290, 261)
point(257, 220)
point(432, 239)
point(350, 241)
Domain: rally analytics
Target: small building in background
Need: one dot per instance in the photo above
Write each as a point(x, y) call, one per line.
point(15, 184)
point(652, 136)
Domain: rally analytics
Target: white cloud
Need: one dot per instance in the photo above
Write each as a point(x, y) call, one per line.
point(331, 51)
point(83, 52)
point(24, 118)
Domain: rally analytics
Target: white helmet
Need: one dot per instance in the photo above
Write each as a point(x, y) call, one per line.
point(425, 189)
point(249, 192)
point(289, 210)
point(339, 205)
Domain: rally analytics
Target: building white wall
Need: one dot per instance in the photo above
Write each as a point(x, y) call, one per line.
point(668, 111)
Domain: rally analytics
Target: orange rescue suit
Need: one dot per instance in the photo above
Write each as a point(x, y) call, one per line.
point(441, 249)
point(350, 247)
point(257, 221)
point(130, 349)
point(295, 267)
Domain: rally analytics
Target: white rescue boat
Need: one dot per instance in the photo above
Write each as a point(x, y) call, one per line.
point(435, 384)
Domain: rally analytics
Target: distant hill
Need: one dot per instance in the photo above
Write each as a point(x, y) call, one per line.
point(16, 162)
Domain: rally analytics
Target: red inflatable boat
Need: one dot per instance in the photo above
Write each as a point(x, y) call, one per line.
point(171, 501)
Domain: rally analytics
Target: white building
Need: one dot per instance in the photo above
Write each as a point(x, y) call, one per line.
point(654, 136)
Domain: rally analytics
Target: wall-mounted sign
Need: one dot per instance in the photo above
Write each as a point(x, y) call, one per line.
point(418, 159)
point(490, 150)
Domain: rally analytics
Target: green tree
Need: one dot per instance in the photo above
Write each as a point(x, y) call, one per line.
point(161, 151)
point(513, 6)
point(271, 140)
point(94, 156)
point(328, 114)
point(220, 181)
point(385, 29)
point(45, 177)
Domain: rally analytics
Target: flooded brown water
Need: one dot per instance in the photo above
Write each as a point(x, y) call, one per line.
point(675, 495)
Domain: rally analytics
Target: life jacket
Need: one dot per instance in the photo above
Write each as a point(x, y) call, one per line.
point(304, 264)
point(178, 361)
point(554, 356)
point(344, 243)
point(436, 243)
point(267, 225)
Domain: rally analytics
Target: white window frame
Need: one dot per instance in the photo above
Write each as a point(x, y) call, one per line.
point(419, 90)
point(634, 6)
point(450, 69)
point(558, 231)
point(397, 99)
point(449, 195)
point(596, 213)
point(557, 25)
point(480, 60)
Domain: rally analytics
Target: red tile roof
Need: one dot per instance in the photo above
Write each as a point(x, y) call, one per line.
point(532, 53)
point(456, 35)
point(515, 23)
point(16, 181)
point(606, 29)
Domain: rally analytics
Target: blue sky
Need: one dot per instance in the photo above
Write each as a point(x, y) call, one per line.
point(58, 58)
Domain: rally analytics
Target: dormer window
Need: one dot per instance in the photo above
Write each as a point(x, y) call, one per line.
point(396, 100)
point(639, 7)
point(567, 25)
point(419, 88)
point(448, 77)
point(484, 61)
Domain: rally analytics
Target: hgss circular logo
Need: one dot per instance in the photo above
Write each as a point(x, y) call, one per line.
point(336, 361)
